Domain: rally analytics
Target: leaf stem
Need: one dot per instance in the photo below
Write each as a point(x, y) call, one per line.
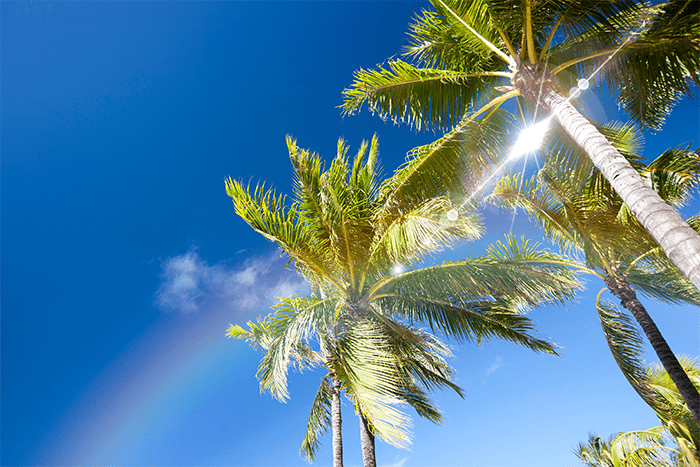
point(496, 50)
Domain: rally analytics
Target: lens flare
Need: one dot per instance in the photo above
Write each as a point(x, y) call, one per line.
point(530, 139)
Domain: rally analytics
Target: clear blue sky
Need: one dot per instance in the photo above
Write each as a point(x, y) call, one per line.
point(123, 261)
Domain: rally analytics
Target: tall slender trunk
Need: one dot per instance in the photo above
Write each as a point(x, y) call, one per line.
point(628, 298)
point(336, 425)
point(678, 240)
point(367, 443)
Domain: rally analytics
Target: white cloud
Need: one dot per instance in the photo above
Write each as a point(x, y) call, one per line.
point(190, 284)
point(397, 464)
point(495, 366)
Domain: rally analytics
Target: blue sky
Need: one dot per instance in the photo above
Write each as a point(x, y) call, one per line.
point(123, 261)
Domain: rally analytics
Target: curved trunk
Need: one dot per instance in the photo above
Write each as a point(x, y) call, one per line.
point(628, 298)
point(336, 425)
point(678, 240)
point(367, 443)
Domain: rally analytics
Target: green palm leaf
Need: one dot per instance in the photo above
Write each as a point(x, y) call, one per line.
point(659, 65)
point(625, 344)
point(319, 420)
point(434, 43)
point(365, 365)
point(419, 97)
point(454, 165)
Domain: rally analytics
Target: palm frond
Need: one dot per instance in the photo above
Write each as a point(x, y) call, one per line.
point(595, 453)
point(419, 97)
point(267, 213)
point(664, 282)
point(675, 175)
point(586, 51)
point(514, 272)
point(438, 40)
point(257, 335)
point(673, 411)
point(594, 18)
point(307, 190)
point(420, 356)
point(454, 165)
point(626, 346)
point(423, 230)
point(365, 365)
point(643, 448)
point(541, 205)
point(319, 420)
point(657, 67)
point(295, 321)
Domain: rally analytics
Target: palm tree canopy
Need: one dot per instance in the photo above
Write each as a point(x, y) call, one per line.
point(466, 52)
point(579, 210)
point(654, 385)
point(471, 56)
point(356, 240)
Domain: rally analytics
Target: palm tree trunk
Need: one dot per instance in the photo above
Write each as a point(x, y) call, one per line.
point(628, 298)
point(678, 240)
point(336, 425)
point(367, 442)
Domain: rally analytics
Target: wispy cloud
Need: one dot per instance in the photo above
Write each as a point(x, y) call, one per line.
point(191, 284)
point(495, 366)
point(397, 464)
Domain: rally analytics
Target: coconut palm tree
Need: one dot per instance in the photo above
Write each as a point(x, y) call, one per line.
point(579, 210)
point(357, 242)
point(677, 441)
point(471, 56)
point(644, 448)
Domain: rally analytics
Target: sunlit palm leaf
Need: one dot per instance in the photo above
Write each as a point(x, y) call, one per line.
point(665, 283)
point(424, 230)
point(541, 204)
point(674, 412)
point(625, 344)
point(420, 97)
point(675, 174)
point(319, 420)
point(437, 40)
point(296, 319)
point(454, 165)
point(655, 68)
point(365, 365)
point(421, 357)
point(267, 213)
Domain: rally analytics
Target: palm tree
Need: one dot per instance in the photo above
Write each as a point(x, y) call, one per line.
point(357, 242)
point(579, 210)
point(653, 384)
point(471, 56)
point(644, 448)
